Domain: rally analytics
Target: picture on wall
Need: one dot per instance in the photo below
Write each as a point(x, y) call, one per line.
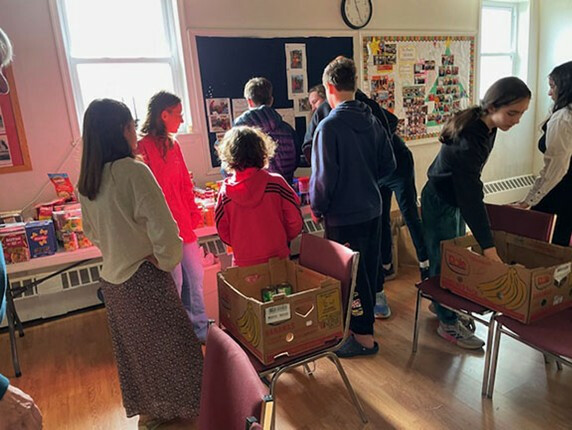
point(297, 84)
point(2, 125)
point(218, 112)
point(5, 155)
point(295, 56)
point(423, 80)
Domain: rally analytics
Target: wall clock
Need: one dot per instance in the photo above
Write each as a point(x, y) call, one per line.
point(357, 13)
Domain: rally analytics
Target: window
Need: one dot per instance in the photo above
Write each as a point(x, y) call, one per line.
point(498, 43)
point(125, 50)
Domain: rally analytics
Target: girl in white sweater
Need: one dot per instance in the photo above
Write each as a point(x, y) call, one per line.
point(124, 213)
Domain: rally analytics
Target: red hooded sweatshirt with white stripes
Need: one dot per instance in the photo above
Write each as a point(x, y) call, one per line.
point(257, 214)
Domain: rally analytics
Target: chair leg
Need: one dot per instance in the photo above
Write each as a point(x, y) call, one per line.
point(558, 365)
point(488, 354)
point(309, 370)
point(334, 358)
point(494, 360)
point(416, 323)
point(11, 315)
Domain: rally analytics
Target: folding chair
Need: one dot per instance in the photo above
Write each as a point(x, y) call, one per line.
point(339, 262)
point(232, 393)
point(527, 223)
point(550, 335)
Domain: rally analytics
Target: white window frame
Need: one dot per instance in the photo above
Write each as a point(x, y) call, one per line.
point(175, 61)
point(513, 53)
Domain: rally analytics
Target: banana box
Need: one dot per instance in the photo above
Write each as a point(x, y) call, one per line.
point(290, 325)
point(533, 282)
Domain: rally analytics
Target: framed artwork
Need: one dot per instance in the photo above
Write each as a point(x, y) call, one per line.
point(14, 155)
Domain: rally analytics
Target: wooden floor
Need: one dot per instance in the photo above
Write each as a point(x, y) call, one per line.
point(68, 368)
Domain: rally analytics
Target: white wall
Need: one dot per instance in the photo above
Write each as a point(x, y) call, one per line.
point(45, 112)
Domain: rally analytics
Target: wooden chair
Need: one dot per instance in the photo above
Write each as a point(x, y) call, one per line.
point(339, 262)
point(551, 335)
point(527, 223)
point(232, 393)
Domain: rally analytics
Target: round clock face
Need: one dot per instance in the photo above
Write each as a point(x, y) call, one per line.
point(356, 13)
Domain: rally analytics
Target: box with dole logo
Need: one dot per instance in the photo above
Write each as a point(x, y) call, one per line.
point(534, 281)
point(290, 325)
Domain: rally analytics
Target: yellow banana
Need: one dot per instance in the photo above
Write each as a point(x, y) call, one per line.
point(508, 290)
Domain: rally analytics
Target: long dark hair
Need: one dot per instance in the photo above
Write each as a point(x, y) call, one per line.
point(104, 123)
point(562, 78)
point(154, 124)
point(503, 92)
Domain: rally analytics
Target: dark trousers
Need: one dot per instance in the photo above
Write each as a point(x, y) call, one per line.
point(364, 238)
point(559, 201)
point(441, 221)
point(402, 183)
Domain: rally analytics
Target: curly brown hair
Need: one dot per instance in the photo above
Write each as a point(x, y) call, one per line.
point(243, 147)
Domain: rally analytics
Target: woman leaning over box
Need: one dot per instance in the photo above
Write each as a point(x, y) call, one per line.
point(454, 194)
point(124, 213)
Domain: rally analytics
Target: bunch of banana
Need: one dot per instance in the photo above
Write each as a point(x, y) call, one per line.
point(249, 326)
point(507, 290)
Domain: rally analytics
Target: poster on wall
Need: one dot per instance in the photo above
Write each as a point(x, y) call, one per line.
point(295, 56)
point(2, 125)
point(423, 80)
point(5, 155)
point(239, 106)
point(218, 112)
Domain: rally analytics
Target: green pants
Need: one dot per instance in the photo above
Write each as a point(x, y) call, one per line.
point(441, 221)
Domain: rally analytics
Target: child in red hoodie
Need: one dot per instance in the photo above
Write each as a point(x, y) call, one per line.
point(162, 153)
point(257, 212)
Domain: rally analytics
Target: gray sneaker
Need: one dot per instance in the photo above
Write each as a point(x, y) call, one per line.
point(381, 308)
point(466, 320)
point(459, 335)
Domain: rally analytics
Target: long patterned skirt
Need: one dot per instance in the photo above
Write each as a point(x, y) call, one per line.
point(158, 356)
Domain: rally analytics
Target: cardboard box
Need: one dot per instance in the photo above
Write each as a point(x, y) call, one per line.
point(287, 325)
point(534, 281)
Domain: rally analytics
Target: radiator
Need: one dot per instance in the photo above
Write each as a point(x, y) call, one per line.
point(508, 190)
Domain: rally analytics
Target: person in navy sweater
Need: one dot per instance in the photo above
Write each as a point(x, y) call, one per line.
point(351, 154)
point(258, 94)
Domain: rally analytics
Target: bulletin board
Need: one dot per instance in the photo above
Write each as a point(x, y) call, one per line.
point(423, 80)
point(292, 64)
point(14, 156)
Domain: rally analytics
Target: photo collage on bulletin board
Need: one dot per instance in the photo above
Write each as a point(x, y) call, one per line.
point(423, 80)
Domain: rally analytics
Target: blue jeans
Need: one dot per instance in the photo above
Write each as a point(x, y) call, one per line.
point(402, 183)
point(188, 277)
point(441, 221)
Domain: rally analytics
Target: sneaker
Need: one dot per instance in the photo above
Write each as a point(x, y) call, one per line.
point(459, 335)
point(388, 274)
point(424, 272)
point(466, 320)
point(352, 348)
point(381, 309)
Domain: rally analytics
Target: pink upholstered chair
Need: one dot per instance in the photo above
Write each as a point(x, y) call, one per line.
point(339, 262)
point(551, 335)
point(231, 388)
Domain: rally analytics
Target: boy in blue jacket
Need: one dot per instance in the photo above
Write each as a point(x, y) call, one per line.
point(351, 154)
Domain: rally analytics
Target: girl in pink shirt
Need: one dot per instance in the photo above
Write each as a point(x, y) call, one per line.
point(162, 153)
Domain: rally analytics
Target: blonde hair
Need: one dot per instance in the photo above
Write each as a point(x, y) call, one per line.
point(243, 147)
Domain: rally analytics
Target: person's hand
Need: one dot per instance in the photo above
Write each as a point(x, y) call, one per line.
point(316, 219)
point(18, 411)
point(520, 205)
point(491, 254)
